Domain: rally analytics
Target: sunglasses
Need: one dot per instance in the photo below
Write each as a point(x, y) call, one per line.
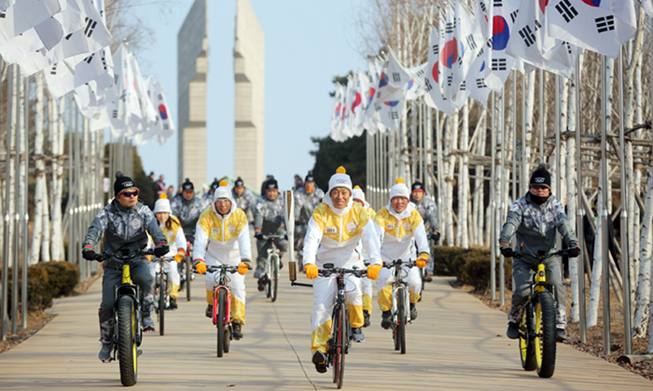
point(539, 187)
point(129, 194)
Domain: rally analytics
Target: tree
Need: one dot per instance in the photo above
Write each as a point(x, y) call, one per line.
point(331, 154)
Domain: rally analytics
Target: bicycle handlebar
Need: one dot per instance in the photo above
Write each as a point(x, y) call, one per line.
point(219, 268)
point(329, 270)
point(122, 256)
point(398, 262)
point(269, 237)
point(541, 257)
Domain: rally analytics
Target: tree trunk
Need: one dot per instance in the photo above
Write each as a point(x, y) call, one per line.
point(57, 136)
point(597, 269)
point(37, 229)
point(643, 298)
point(463, 192)
point(572, 196)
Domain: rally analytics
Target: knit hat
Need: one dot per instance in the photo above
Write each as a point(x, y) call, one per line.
point(222, 191)
point(357, 194)
point(399, 190)
point(541, 176)
point(188, 185)
point(309, 177)
point(162, 205)
point(340, 179)
point(417, 186)
point(215, 184)
point(239, 182)
point(271, 184)
point(122, 183)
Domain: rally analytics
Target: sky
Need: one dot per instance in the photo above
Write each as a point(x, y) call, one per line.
point(306, 44)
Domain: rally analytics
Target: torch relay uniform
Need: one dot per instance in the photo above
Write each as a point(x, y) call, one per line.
point(332, 237)
point(224, 240)
point(366, 283)
point(397, 232)
point(176, 241)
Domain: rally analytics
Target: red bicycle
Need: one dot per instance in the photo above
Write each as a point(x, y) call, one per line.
point(222, 305)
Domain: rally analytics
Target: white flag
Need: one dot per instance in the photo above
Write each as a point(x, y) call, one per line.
point(149, 115)
point(165, 120)
point(503, 14)
point(60, 79)
point(648, 7)
point(392, 108)
point(336, 115)
point(24, 15)
point(415, 88)
point(434, 98)
point(398, 75)
point(20, 47)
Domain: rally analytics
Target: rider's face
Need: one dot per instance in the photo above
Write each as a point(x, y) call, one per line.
point(128, 202)
point(223, 206)
point(399, 204)
point(240, 190)
point(162, 217)
point(418, 195)
point(271, 194)
point(188, 195)
point(340, 197)
point(540, 190)
point(309, 186)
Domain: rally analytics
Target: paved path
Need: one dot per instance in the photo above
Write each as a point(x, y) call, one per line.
point(457, 343)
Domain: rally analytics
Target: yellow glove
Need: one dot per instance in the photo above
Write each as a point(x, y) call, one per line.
point(243, 267)
point(311, 271)
point(373, 271)
point(422, 260)
point(179, 257)
point(200, 266)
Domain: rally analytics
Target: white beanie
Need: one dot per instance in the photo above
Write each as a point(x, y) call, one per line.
point(223, 191)
point(399, 190)
point(162, 205)
point(340, 179)
point(357, 194)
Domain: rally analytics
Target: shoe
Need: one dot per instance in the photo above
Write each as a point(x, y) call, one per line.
point(513, 330)
point(561, 336)
point(105, 352)
point(366, 318)
point(209, 311)
point(413, 311)
point(357, 334)
point(261, 284)
point(386, 319)
point(280, 264)
point(319, 359)
point(173, 303)
point(237, 331)
point(428, 278)
point(148, 325)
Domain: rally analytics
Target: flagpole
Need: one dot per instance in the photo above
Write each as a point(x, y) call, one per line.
point(438, 147)
point(604, 211)
point(493, 247)
point(541, 92)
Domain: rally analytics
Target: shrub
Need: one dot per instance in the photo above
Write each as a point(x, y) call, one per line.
point(469, 266)
point(63, 276)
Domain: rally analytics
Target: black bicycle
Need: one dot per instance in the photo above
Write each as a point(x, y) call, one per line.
point(272, 266)
point(186, 270)
point(400, 303)
point(161, 290)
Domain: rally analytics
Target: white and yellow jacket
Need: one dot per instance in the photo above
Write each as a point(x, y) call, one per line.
point(397, 232)
point(175, 236)
point(225, 238)
point(362, 250)
point(333, 234)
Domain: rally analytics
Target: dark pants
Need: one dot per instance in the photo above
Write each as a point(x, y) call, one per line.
point(140, 274)
point(262, 246)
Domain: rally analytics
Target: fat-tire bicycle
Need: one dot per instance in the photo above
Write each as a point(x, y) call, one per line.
point(222, 305)
point(272, 266)
point(162, 290)
point(400, 302)
point(128, 332)
point(537, 329)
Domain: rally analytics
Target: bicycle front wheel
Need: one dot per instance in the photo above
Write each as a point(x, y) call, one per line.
point(162, 300)
point(526, 344)
point(340, 345)
point(545, 335)
point(220, 321)
point(189, 274)
point(400, 327)
point(274, 272)
point(127, 331)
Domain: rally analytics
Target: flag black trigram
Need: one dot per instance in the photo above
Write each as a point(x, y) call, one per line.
point(449, 27)
point(604, 23)
point(471, 43)
point(483, 6)
point(480, 83)
point(377, 108)
point(427, 85)
point(513, 16)
point(104, 61)
point(90, 27)
point(53, 70)
point(498, 64)
point(449, 80)
point(394, 114)
point(67, 37)
point(3, 15)
point(527, 35)
point(436, 49)
point(89, 59)
point(566, 10)
point(396, 77)
point(166, 126)
point(114, 114)
point(498, 3)
point(568, 46)
point(463, 86)
point(159, 97)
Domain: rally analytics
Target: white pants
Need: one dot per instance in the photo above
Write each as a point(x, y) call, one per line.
point(169, 267)
point(366, 285)
point(384, 286)
point(236, 284)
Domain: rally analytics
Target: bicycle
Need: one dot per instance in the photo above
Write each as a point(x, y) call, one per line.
point(537, 329)
point(128, 332)
point(222, 305)
point(186, 270)
point(272, 266)
point(161, 291)
point(400, 303)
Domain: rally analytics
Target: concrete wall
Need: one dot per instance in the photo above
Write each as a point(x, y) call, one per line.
point(249, 72)
point(192, 69)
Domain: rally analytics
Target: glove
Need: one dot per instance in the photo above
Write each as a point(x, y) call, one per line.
point(311, 271)
point(373, 272)
point(179, 257)
point(573, 251)
point(435, 236)
point(200, 266)
point(161, 250)
point(243, 267)
point(88, 254)
point(422, 260)
point(506, 251)
point(258, 235)
point(285, 237)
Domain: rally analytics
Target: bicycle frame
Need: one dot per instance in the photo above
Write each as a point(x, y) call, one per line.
point(221, 285)
point(398, 284)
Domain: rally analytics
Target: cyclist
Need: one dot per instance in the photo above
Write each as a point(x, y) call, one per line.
point(534, 218)
point(171, 228)
point(334, 230)
point(222, 238)
point(428, 209)
point(400, 226)
point(366, 283)
point(208, 196)
point(268, 220)
point(125, 224)
point(307, 198)
point(244, 198)
point(188, 208)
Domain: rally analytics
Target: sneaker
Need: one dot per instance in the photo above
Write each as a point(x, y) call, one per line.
point(357, 334)
point(366, 318)
point(413, 311)
point(513, 330)
point(319, 359)
point(236, 328)
point(261, 284)
point(105, 352)
point(280, 264)
point(173, 303)
point(148, 325)
point(561, 336)
point(209, 311)
point(428, 278)
point(386, 319)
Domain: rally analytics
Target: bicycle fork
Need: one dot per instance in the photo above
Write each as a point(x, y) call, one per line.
point(227, 316)
point(395, 302)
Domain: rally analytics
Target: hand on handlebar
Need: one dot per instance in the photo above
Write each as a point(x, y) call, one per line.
point(573, 251)
point(422, 260)
point(373, 272)
point(507, 251)
point(89, 254)
point(311, 271)
point(200, 266)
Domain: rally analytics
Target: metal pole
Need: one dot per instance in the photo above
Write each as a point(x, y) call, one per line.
point(524, 158)
point(604, 211)
point(579, 213)
point(541, 92)
point(502, 207)
point(18, 198)
point(7, 218)
point(25, 225)
point(438, 147)
point(493, 203)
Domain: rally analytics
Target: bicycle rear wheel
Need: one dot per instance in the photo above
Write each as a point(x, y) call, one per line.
point(274, 271)
point(526, 344)
point(220, 321)
point(545, 335)
point(162, 288)
point(127, 330)
point(401, 320)
point(340, 345)
point(189, 273)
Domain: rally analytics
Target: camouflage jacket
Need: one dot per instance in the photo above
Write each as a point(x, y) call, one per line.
point(428, 209)
point(124, 229)
point(188, 212)
point(246, 201)
point(536, 225)
point(305, 203)
point(269, 216)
